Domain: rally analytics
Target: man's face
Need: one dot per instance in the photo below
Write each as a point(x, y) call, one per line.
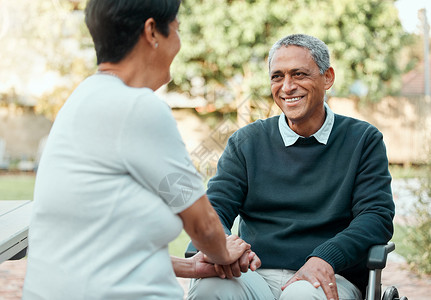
point(298, 88)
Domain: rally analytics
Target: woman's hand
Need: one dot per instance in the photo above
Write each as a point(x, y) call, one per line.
point(202, 269)
point(236, 247)
point(202, 224)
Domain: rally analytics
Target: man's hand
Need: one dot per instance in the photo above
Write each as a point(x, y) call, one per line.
point(233, 242)
point(319, 273)
point(249, 260)
point(236, 247)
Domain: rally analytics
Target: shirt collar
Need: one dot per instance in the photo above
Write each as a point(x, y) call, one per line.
point(322, 135)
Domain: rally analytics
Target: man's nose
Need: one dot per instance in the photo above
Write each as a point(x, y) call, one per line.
point(289, 85)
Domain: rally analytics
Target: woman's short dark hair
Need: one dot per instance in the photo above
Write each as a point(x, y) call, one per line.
point(115, 25)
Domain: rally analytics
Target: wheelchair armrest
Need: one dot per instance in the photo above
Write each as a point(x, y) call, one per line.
point(190, 250)
point(378, 254)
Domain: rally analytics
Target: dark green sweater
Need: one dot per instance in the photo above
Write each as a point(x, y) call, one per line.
point(332, 201)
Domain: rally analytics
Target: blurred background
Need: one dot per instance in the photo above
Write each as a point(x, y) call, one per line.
point(379, 50)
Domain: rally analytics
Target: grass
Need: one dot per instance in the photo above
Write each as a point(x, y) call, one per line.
point(178, 246)
point(16, 187)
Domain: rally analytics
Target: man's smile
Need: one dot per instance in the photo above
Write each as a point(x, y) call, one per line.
point(291, 99)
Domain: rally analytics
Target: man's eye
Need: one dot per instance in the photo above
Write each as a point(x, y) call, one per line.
point(298, 75)
point(275, 77)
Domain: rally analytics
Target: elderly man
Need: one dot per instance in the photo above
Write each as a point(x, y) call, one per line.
point(312, 188)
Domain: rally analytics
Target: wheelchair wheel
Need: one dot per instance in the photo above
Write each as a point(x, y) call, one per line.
point(391, 293)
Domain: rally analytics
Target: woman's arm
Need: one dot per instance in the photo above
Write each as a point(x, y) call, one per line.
point(193, 267)
point(202, 224)
point(197, 267)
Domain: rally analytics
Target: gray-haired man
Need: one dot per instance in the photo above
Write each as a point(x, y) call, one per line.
point(312, 188)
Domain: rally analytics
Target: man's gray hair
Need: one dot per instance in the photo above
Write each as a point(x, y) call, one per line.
point(318, 49)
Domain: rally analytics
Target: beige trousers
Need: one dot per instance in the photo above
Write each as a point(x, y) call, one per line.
point(266, 284)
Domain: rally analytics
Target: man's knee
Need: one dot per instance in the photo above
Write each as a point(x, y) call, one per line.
point(302, 290)
point(213, 288)
point(250, 286)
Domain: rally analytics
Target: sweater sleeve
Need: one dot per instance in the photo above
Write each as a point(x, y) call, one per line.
point(228, 188)
point(372, 207)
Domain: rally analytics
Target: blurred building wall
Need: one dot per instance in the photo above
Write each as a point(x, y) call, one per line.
point(404, 122)
point(22, 131)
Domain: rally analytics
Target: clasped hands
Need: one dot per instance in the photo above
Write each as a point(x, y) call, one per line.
point(242, 256)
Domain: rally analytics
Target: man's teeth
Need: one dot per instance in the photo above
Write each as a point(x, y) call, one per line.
point(292, 99)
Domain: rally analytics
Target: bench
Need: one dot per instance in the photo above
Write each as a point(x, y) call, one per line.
point(14, 221)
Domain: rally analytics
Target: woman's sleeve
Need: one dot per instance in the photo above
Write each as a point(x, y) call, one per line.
point(155, 155)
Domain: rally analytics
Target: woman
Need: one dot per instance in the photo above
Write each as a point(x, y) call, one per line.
point(115, 184)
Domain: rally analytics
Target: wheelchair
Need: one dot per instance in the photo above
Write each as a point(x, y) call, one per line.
point(376, 262)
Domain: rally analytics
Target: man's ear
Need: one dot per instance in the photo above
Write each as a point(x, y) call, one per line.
point(150, 32)
point(329, 78)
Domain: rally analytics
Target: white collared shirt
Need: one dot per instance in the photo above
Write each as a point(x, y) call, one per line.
point(322, 135)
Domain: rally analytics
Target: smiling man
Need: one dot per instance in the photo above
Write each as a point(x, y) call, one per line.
point(312, 188)
point(298, 88)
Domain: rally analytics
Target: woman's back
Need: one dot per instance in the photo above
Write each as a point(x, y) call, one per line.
point(98, 182)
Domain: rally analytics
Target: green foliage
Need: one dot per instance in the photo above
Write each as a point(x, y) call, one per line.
point(419, 234)
point(46, 49)
point(401, 246)
point(49, 104)
point(405, 172)
point(412, 52)
point(225, 44)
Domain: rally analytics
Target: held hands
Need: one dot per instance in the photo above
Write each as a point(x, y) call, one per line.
point(244, 259)
point(249, 260)
point(201, 268)
point(204, 269)
point(320, 274)
point(235, 249)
